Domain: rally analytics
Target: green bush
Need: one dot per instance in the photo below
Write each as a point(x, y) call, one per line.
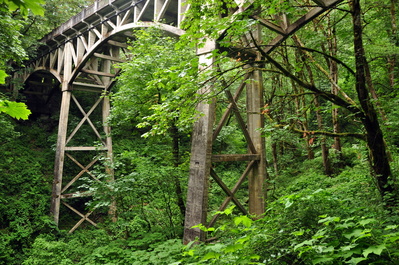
point(354, 240)
point(25, 178)
point(302, 225)
point(96, 247)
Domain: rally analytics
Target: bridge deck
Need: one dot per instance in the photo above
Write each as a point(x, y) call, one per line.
point(107, 11)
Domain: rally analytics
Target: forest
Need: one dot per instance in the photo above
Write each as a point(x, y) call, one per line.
point(331, 147)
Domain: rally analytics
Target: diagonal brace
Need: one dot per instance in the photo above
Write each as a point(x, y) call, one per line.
point(85, 117)
point(84, 169)
point(233, 191)
point(84, 217)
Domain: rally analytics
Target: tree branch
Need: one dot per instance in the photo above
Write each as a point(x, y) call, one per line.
point(325, 133)
point(327, 95)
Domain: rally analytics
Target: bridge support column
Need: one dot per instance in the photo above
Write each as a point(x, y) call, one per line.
point(62, 134)
point(255, 121)
point(200, 163)
point(60, 156)
point(106, 111)
point(201, 150)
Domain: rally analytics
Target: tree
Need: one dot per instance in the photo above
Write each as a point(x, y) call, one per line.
point(11, 49)
point(21, 25)
point(54, 14)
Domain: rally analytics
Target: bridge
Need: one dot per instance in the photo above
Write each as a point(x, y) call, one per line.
point(77, 65)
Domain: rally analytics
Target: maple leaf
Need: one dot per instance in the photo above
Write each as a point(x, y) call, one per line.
point(16, 110)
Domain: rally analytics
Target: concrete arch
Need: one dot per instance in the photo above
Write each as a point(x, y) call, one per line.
point(53, 72)
point(120, 31)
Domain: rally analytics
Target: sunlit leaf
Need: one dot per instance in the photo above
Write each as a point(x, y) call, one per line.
point(16, 110)
point(245, 220)
point(367, 221)
point(233, 248)
point(374, 249)
point(3, 76)
point(355, 260)
point(211, 255)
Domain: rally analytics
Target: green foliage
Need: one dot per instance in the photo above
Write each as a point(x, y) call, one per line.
point(16, 110)
point(145, 194)
point(25, 177)
point(231, 251)
point(54, 14)
point(13, 19)
point(350, 241)
point(315, 220)
point(11, 40)
point(97, 248)
point(207, 19)
point(157, 85)
point(3, 76)
point(24, 6)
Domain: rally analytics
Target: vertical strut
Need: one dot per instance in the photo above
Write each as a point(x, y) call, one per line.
point(62, 134)
point(106, 110)
point(256, 178)
point(108, 142)
point(200, 163)
point(201, 151)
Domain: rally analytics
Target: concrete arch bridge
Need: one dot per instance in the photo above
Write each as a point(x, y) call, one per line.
point(76, 66)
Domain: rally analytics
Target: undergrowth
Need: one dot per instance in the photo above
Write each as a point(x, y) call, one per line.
point(314, 220)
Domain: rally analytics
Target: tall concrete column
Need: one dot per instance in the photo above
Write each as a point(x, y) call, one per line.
point(201, 154)
point(255, 103)
point(256, 178)
point(62, 134)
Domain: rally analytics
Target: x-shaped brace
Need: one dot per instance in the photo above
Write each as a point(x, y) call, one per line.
point(230, 193)
point(85, 217)
point(84, 170)
point(85, 118)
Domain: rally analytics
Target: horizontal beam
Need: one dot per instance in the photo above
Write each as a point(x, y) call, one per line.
point(235, 157)
point(76, 195)
point(108, 57)
point(93, 90)
point(84, 148)
point(88, 85)
point(269, 25)
point(87, 71)
point(117, 44)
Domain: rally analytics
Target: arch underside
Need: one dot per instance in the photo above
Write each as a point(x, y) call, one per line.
point(106, 48)
point(41, 92)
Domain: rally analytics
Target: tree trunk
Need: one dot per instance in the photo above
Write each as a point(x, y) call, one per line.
point(176, 163)
point(375, 141)
point(392, 58)
point(275, 158)
point(332, 46)
point(324, 148)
